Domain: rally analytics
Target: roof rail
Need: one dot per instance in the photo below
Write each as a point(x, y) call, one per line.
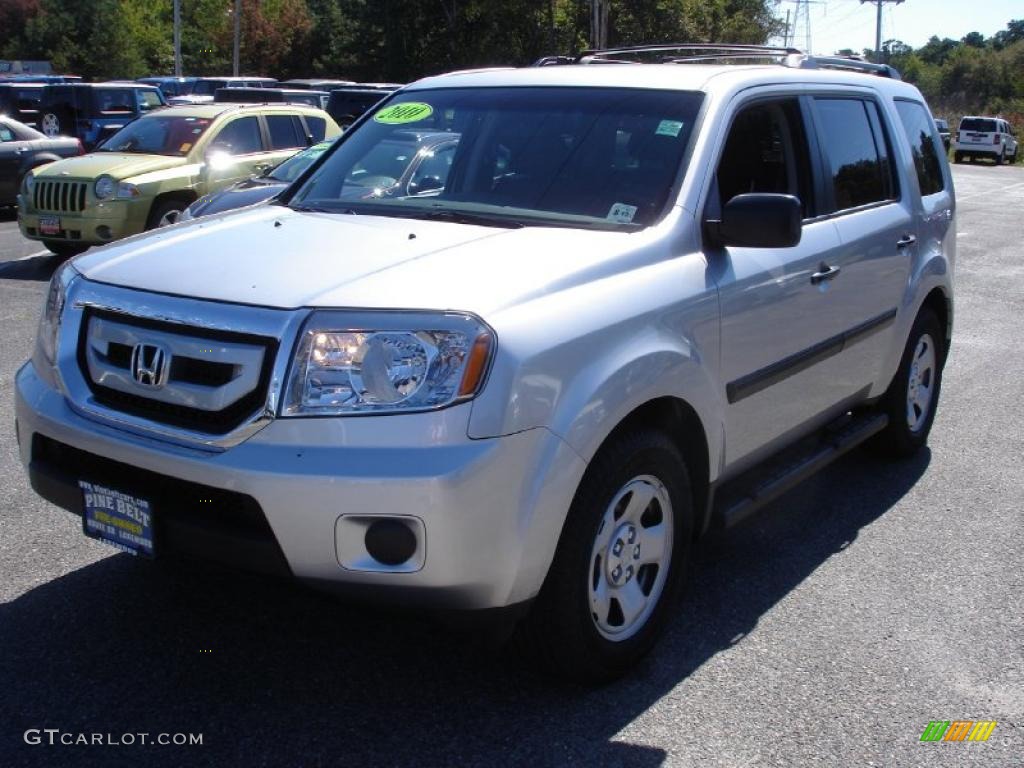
point(848, 63)
point(692, 53)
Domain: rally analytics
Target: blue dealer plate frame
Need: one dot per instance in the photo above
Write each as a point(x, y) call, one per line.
point(117, 518)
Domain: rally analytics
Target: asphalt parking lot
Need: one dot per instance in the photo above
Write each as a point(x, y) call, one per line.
point(829, 630)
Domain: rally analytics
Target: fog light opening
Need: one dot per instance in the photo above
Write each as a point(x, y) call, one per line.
point(390, 541)
point(103, 232)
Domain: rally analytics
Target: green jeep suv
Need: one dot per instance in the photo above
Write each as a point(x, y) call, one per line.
point(144, 175)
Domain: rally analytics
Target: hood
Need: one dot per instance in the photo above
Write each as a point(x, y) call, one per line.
point(243, 193)
point(119, 165)
point(275, 257)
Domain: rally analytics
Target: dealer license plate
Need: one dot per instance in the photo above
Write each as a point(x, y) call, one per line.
point(49, 225)
point(118, 518)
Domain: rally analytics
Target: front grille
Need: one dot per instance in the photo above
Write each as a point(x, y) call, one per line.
point(188, 518)
point(213, 383)
point(60, 196)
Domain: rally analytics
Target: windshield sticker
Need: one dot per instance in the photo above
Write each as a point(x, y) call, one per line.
point(185, 147)
point(622, 213)
point(669, 128)
point(409, 112)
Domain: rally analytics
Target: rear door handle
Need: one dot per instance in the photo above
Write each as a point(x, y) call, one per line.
point(825, 272)
point(906, 240)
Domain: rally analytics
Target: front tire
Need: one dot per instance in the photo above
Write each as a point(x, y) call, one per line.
point(913, 396)
point(619, 563)
point(53, 124)
point(165, 213)
point(64, 250)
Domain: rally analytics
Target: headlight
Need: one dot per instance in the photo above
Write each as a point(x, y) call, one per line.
point(28, 184)
point(104, 187)
point(397, 362)
point(124, 189)
point(49, 321)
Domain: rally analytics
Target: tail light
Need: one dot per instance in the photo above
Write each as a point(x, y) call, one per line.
point(996, 139)
point(81, 147)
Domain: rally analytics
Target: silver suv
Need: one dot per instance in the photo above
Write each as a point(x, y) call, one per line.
point(633, 303)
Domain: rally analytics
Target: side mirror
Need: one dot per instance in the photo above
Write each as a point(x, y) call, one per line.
point(425, 185)
point(758, 220)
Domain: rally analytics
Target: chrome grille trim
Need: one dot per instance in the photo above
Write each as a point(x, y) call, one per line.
point(246, 359)
point(83, 295)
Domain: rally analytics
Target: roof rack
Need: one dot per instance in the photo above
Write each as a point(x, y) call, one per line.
point(693, 53)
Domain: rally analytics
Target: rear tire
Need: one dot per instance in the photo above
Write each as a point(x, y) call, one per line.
point(958, 157)
point(619, 564)
point(1001, 157)
point(913, 395)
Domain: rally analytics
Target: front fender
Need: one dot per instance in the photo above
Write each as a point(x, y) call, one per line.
point(579, 361)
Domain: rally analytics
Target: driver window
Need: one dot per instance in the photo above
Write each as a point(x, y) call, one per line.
point(239, 137)
point(766, 151)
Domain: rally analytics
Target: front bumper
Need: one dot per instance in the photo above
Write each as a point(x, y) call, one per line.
point(100, 222)
point(492, 510)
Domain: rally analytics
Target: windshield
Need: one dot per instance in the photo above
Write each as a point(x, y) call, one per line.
point(207, 87)
point(604, 158)
point(293, 167)
point(158, 135)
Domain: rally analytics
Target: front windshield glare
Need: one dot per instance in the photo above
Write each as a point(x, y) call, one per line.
point(293, 167)
point(581, 157)
point(158, 135)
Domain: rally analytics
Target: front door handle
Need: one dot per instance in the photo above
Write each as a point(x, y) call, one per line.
point(825, 272)
point(905, 241)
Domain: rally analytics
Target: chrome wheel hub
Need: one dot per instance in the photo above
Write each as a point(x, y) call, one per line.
point(630, 557)
point(921, 383)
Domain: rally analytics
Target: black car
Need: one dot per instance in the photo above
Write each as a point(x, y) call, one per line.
point(944, 133)
point(20, 101)
point(345, 105)
point(22, 149)
point(316, 99)
point(205, 87)
point(171, 86)
point(316, 84)
point(93, 112)
point(258, 188)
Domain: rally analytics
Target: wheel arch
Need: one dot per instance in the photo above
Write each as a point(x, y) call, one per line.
point(942, 305)
point(187, 196)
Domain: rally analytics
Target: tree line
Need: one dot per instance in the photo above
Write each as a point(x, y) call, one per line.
point(973, 75)
point(367, 40)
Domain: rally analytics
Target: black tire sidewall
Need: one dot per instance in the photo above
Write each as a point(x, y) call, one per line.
point(897, 439)
point(161, 208)
point(575, 646)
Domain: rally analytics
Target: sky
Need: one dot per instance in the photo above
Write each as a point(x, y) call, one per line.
point(837, 24)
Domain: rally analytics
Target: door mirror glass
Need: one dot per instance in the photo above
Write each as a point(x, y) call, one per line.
point(759, 220)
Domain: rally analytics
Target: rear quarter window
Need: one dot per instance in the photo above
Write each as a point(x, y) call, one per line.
point(916, 126)
point(317, 128)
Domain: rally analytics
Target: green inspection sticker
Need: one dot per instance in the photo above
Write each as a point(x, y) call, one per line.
point(669, 128)
point(409, 112)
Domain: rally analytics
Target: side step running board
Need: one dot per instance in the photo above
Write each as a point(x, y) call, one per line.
point(739, 498)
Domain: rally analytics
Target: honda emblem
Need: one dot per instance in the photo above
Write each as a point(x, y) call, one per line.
point(151, 364)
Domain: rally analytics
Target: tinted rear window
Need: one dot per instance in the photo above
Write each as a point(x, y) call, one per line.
point(922, 145)
point(850, 134)
point(978, 125)
point(284, 133)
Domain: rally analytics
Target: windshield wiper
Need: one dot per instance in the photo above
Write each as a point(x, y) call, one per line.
point(464, 217)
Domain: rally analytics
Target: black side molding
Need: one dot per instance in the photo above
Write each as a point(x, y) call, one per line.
point(754, 382)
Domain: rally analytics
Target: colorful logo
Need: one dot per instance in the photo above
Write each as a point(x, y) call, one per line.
point(958, 730)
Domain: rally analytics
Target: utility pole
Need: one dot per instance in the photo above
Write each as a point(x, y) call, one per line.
point(598, 24)
point(785, 36)
point(177, 38)
point(878, 25)
point(238, 33)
